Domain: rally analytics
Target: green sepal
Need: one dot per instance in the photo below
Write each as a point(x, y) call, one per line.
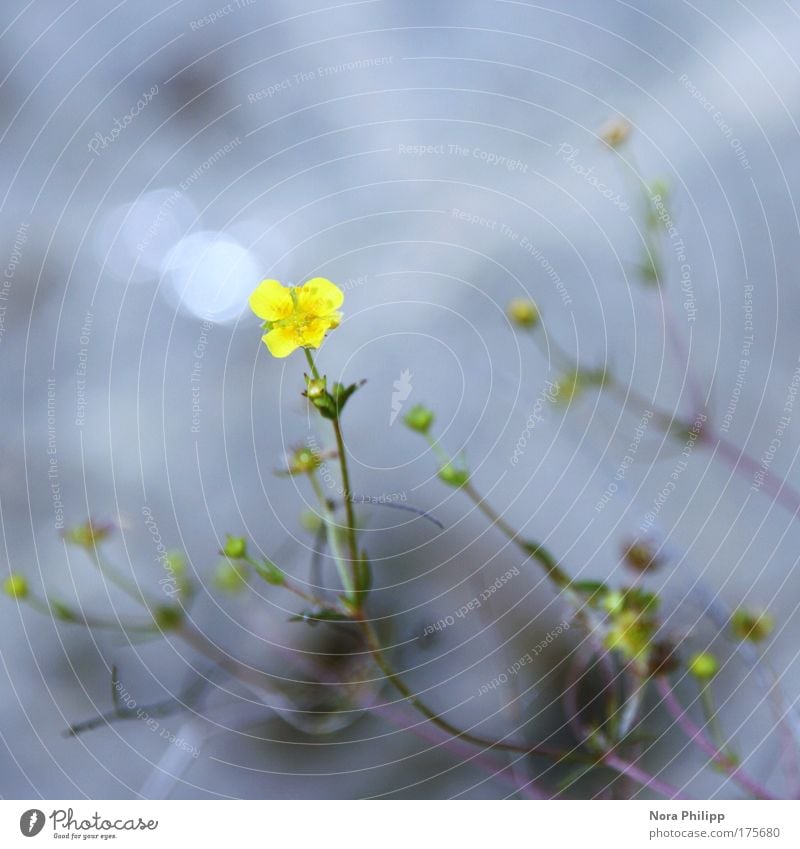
point(269, 572)
point(325, 614)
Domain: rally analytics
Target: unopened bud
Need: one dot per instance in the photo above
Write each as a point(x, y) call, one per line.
point(615, 131)
point(755, 626)
point(703, 666)
point(16, 586)
point(523, 312)
point(419, 418)
point(235, 548)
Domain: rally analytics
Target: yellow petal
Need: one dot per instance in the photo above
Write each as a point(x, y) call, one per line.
point(271, 301)
point(282, 341)
point(319, 297)
point(314, 332)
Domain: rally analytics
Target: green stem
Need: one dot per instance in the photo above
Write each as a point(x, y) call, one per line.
point(311, 364)
point(76, 618)
point(397, 682)
point(331, 526)
point(715, 731)
point(622, 393)
point(290, 586)
point(348, 493)
point(534, 549)
point(110, 574)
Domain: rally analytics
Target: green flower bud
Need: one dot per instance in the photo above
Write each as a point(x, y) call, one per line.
point(315, 387)
point(755, 626)
point(230, 577)
point(419, 418)
point(16, 586)
point(703, 666)
point(87, 534)
point(303, 461)
point(235, 548)
point(311, 521)
point(175, 564)
point(523, 312)
point(630, 635)
point(62, 612)
point(614, 602)
point(453, 476)
point(168, 617)
point(568, 387)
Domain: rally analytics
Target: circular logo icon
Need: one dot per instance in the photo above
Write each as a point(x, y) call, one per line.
point(31, 822)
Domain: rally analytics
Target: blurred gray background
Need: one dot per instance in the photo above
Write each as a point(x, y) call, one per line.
point(159, 160)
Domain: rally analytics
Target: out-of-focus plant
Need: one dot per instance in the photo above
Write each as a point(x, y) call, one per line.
point(623, 645)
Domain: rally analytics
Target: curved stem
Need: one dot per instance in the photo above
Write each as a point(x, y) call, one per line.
point(641, 777)
point(77, 618)
point(111, 574)
point(695, 735)
point(667, 421)
point(740, 462)
point(397, 682)
point(532, 549)
point(712, 722)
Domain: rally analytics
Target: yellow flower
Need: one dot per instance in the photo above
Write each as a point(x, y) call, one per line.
point(296, 317)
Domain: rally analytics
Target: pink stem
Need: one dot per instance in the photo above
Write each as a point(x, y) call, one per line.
point(640, 776)
point(743, 464)
point(503, 772)
point(695, 735)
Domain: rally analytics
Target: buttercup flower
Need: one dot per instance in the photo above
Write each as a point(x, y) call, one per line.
point(296, 317)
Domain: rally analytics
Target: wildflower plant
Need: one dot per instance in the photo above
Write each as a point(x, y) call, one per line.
point(624, 649)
